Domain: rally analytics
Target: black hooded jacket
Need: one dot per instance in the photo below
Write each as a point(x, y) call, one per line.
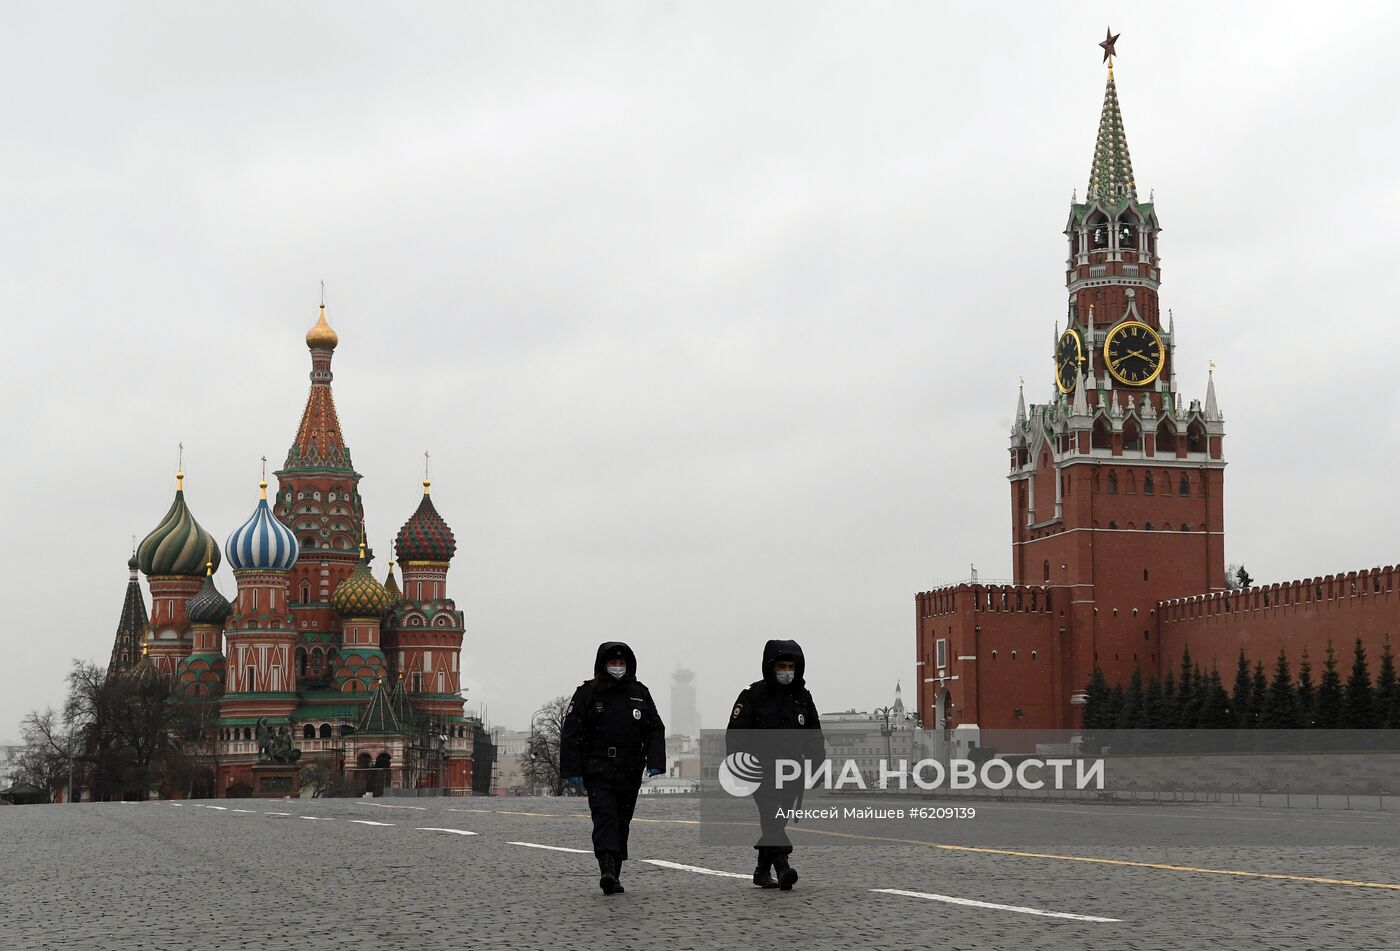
point(768, 705)
point(612, 730)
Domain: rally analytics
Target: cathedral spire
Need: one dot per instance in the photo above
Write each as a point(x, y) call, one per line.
point(132, 626)
point(1111, 175)
point(1212, 408)
point(319, 443)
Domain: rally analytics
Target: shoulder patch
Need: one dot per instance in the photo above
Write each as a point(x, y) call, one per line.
point(738, 711)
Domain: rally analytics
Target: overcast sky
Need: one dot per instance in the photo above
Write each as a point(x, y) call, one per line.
point(711, 314)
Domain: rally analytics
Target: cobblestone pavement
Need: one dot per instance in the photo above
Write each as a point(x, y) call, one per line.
point(400, 873)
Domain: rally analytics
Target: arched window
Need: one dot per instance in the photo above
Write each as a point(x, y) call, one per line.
point(1147, 527)
point(346, 729)
point(1046, 565)
point(1185, 487)
point(363, 761)
point(1102, 437)
point(325, 731)
point(1127, 234)
point(1112, 523)
point(1098, 232)
point(1148, 486)
point(1166, 438)
point(1132, 436)
point(1113, 483)
point(308, 732)
point(1196, 437)
point(306, 592)
point(1185, 527)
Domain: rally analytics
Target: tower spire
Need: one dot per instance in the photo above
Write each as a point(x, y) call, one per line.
point(132, 625)
point(1111, 174)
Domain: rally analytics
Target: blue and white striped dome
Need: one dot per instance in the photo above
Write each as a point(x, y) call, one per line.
point(262, 543)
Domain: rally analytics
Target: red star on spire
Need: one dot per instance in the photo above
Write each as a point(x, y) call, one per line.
point(1109, 39)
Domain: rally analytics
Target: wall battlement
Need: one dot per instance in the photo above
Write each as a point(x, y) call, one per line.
point(995, 598)
point(1339, 590)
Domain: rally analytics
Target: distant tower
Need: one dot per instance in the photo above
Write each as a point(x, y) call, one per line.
point(126, 647)
point(261, 637)
point(685, 720)
point(424, 639)
point(318, 498)
point(201, 674)
point(174, 557)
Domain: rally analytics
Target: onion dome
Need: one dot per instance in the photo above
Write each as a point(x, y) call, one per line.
point(178, 545)
point(392, 586)
point(208, 606)
point(359, 595)
point(321, 336)
point(262, 543)
point(425, 536)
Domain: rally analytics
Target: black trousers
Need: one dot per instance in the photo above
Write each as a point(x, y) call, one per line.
point(612, 806)
point(771, 822)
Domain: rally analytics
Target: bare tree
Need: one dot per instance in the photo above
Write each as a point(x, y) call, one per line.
point(540, 765)
point(44, 756)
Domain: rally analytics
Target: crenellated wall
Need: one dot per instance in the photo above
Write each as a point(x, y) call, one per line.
point(1289, 616)
point(1002, 653)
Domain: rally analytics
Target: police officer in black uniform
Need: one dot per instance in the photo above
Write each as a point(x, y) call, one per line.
point(612, 733)
point(781, 703)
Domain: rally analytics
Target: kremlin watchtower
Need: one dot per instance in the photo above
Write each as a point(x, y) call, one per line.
point(1116, 486)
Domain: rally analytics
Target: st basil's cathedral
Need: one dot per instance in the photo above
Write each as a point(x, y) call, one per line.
point(364, 675)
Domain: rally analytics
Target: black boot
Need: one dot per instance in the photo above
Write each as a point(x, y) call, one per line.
point(617, 874)
point(607, 864)
point(787, 875)
point(763, 874)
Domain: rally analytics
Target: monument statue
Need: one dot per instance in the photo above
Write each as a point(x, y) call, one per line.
point(275, 747)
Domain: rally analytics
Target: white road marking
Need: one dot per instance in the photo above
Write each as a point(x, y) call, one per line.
point(436, 829)
point(176, 804)
point(552, 848)
point(241, 810)
point(220, 808)
point(381, 805)
point(992, 905)
point(370, 822)
point(318, 818)
point(277, 813)
point(695, 868)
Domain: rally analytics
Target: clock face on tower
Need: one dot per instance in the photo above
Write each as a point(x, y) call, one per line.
point(1069, 354)
point(1133, 352)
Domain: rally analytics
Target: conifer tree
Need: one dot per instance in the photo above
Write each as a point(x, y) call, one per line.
point(1258, 688)
point(1153, 707)
point(1216, 712)
point(1358, 702)
point(1096, 697)
point(1186, 692)
point(1114, 708)
point(1306, 697)
point(1279, 711)
point(1131, 714)
point(1327, 705)
point(1170, 709)
point(1240, 698)
point(1387, 692)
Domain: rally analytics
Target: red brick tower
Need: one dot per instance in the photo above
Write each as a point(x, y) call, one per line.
point(262, 641)
point(1116, 487)
point(175, 558)
point(424, 633)
point(318, 498)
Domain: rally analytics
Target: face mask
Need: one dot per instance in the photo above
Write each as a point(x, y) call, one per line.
point(784, 677)
point(619, 671)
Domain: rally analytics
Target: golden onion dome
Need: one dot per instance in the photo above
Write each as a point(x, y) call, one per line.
point(360, 596)
point(321, 336)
